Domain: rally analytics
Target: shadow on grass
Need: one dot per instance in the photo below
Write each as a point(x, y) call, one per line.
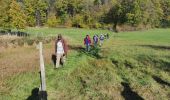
point(84, 85)
point(34, 94)
point(165, 66)
point(37, 95)
point(160, 81)
point(128, 94)
point(94, 52)
point(126, 63)
point(155, 61)
point(53, 59)
point(78, 48)
point(115, 62)
point(157, 47)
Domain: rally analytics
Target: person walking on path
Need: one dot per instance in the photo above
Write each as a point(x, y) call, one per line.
point(101, 39)
point(60, 50)
point(107, 35)
point(95, 40)
point(87, 42)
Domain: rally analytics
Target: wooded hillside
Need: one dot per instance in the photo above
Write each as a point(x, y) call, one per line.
point(84, 13)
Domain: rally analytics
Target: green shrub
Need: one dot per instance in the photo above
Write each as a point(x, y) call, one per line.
point(20, 42)
point(78, 21)
point(97, 25)
point(52, 21)
point(68, 23)
point(95, 52)
point(30, 42)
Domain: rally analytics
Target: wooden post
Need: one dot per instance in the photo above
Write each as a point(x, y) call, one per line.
point(43, 93)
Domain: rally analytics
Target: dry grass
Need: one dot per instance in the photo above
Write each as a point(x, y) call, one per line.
point(6, 37)
point(16, 60)
point(19, 60)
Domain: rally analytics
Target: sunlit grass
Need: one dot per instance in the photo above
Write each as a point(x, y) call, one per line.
point(130, 57)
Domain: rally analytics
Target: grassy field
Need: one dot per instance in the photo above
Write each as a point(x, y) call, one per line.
point(130, 65)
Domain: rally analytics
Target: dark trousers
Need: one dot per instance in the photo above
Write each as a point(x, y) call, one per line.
point(87, 47)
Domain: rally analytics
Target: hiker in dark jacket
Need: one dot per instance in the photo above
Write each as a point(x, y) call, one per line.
point(107, 35)
point(61, 50)
point(87, 42)
point(95, 40)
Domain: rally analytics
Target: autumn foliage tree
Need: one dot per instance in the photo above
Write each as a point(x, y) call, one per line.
point(17, 17)
point(84, 13)
point(12, 15)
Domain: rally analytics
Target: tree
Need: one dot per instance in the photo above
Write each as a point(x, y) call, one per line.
point(29, 7)
point(91, 12)
point(165, 5)
point(157, 13)
point(134, 16)
point(151, 12)
point(105, 1)
point(42, 6)
point(97, 2)
point(68, 9)
point(11, 15)
point(52, 21)
point(17, 17)
point(4, 15)
point(117, 14)
point(36, 12)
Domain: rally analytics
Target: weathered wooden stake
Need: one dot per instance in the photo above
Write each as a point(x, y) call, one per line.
point(43, 93)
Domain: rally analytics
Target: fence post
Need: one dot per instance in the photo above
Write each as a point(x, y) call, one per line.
point(43, 93)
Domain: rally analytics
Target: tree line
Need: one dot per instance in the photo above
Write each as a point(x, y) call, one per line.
point(18, 14)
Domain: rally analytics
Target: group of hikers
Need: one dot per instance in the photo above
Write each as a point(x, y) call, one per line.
point(96, 40)
point(61, 47)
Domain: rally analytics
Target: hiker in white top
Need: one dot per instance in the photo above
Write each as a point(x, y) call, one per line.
point(101, 39)
point(60, 50)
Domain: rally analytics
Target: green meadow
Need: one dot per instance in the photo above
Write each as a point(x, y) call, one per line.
point(128, 66)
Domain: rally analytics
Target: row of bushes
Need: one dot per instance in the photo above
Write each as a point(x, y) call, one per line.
point(80, 22)
point(127, 27)
point(14, 33)
point(77, 21)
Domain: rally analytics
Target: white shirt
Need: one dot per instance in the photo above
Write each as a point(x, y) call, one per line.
point(60, 49)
